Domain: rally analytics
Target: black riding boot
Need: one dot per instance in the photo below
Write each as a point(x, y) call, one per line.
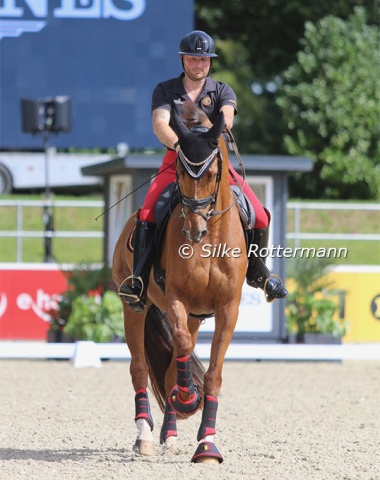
point(258, 275)
point(133, 289)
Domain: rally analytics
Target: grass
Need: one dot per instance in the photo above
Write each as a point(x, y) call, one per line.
point(65, 250)
point(78, 250)
point(360, 252)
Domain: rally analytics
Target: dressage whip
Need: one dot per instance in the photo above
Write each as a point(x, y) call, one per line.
point(135, 190)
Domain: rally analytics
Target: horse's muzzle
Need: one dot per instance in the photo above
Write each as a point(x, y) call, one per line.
point(195, 237)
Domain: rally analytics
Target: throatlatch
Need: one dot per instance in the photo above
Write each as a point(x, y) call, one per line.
point(142, 407)
point(185, 384)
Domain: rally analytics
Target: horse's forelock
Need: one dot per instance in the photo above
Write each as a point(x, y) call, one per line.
point(193, 116)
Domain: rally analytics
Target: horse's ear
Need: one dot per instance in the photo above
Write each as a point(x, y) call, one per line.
point(216, 130)
point(180, 128)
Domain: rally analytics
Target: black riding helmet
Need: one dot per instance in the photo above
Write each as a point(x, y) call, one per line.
point(197, 44)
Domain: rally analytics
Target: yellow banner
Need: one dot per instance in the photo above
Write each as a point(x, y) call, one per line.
point(359, 301)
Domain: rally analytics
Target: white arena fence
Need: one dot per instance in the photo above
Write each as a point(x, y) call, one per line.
point(297, 235)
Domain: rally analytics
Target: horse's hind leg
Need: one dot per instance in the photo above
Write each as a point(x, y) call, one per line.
point(134, 336)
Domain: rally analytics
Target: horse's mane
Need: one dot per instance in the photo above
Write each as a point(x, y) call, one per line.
point(193, 116)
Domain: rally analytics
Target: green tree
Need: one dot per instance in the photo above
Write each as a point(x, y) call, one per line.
point(254, 111)
point(330, 101)
point(270, 30)
point(257, 41)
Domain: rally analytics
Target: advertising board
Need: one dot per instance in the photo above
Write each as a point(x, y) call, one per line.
point(106, 55)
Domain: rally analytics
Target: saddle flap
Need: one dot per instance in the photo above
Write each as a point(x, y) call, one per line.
point(168, 199)
point(246, 211)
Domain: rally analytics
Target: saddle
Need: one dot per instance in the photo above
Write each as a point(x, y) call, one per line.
point(168, 200)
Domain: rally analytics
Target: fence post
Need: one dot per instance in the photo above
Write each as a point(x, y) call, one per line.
point(297, 225)
point(19, 236)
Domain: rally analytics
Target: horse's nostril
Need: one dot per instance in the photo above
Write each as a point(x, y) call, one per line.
point(199, 236)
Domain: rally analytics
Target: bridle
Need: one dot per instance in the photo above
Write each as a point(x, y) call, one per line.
point(195, 205)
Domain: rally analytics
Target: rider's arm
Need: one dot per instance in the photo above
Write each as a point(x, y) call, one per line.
point(229, 114)
point(161, 128)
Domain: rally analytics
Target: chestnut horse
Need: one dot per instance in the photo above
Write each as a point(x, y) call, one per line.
point(198, 284)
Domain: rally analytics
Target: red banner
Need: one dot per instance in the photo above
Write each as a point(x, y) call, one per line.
point(27, 293)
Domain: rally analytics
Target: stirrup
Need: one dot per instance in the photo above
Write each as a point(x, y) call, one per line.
point(128, 294)
point(268, 297)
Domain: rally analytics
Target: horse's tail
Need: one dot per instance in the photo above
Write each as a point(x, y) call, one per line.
point(159, 352)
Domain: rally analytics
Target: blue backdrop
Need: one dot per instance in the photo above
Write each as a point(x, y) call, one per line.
point(107, 55)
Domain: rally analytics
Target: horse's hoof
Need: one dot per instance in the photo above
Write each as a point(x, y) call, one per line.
point(144, 447)
point(184, 409)
point(171, 443)
point(172, 446)
point(207, 453)
point(207, 460)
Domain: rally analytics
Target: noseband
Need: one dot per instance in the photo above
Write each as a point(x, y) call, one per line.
point(195, 205)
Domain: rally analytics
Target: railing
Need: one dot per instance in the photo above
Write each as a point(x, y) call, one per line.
point(20, 234)
point(297, 234)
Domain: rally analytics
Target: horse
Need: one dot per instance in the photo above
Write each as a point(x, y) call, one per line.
point(199, 282)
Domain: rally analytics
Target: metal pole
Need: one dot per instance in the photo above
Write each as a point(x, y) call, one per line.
point(19, 234)
point(297, 225)
point(47, 215)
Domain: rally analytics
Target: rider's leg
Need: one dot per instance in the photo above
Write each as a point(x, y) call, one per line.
point(258, 275)
point(133, 289)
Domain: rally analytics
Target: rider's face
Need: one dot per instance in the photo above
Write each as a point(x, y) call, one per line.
point(197, 68)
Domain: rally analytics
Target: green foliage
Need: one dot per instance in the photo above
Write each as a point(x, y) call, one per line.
point(89, 309)
point(255, 112)
point(256, 42)
point(270, 30)
point(97, 318)
point(308, 309)
point(330, 100)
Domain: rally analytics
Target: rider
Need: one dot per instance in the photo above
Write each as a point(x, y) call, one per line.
point(196, 52)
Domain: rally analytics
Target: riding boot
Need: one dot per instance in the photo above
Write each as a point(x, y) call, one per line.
point(258, 275)
point(134, 288)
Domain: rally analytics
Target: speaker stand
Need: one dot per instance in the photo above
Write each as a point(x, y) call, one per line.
point(48, 219)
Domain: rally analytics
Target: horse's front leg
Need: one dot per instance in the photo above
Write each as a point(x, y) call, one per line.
point(183, 395)
point(134, 336)
point(225, 322)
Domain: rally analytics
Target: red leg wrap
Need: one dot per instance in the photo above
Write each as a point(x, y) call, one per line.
point(210, 408)
point(169, 425)
point(142, 407)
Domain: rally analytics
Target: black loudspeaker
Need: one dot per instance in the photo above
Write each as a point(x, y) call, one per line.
point(49, 114)
point(32, 115)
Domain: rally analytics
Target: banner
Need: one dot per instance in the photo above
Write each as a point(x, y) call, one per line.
point(26, 296)
point(106, 55)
